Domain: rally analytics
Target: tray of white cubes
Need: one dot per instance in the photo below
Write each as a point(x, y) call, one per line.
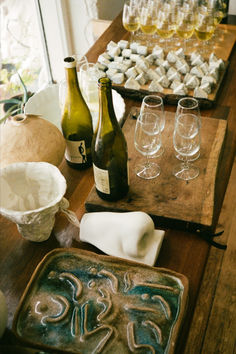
point(136, 71)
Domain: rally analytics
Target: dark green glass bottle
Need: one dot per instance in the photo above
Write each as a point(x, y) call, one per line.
point(76, 121)
point(109, 149)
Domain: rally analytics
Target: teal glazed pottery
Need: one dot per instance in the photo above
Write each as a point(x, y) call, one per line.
point(81, 302)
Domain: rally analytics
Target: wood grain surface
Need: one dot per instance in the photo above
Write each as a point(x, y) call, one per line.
point(217, 331)
point(188, 204)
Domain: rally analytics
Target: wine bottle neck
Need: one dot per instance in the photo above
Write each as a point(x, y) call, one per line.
point(71, 78)
point(106, 110)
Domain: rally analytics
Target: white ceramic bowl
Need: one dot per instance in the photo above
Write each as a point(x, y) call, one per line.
point(46, 103)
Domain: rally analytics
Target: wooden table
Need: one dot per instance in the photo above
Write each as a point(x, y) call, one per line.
point(181, 251)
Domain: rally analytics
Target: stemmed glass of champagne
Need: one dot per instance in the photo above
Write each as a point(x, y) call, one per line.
point(186, 19)
point(147, 141)
point(130, 17)
point(166, 22)
point(218, 8)
point(148, 19)
point(205, 27)
point(154, 104)
point(186, 141)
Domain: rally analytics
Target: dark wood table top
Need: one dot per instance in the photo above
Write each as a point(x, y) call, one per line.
point(181, 251)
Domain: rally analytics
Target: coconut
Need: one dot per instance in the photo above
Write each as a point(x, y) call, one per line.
point(27, 137)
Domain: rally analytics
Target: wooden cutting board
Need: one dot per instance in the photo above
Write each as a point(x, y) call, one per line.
point(221, 44)
point(169, 201)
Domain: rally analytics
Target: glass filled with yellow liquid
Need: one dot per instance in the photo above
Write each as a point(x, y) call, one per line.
point(130, 17)
point(166, 23)
point(204, 29)
point(185, 24)
point(219, 8)
point(148, 21)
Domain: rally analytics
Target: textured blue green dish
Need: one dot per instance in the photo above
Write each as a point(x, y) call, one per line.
point(81, 302)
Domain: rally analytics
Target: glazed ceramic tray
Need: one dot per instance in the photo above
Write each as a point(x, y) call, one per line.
point(81, 302)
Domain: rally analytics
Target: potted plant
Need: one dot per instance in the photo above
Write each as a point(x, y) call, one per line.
point(15, 105)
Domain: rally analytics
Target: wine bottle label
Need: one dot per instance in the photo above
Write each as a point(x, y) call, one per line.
point(101, 178)
point(76, 151)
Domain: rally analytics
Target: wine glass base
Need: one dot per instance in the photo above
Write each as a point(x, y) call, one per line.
point(192, 158)
point(147, 171)
point(185, 172)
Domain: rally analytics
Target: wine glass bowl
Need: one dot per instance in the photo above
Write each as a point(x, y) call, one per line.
point(188, 105)
point(148, 20)
point(154, 104)
point(147, 141)
point(88, 79)
point(186, 141)
point(80, 60)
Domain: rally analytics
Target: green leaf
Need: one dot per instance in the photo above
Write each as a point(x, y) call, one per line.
point(25, 97)
point(11, 100)
point(12, 110)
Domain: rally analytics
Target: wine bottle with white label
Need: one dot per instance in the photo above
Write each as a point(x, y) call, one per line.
point(76, 121)
point(109, 149)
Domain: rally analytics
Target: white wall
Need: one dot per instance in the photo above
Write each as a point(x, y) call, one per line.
point(80, 15)
point(68, 26)
point(108, 9)
point(232, 7)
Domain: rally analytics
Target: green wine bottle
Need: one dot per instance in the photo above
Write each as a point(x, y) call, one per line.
point(76, 121)
point(109, 149)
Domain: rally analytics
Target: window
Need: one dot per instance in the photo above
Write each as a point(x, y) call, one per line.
point(37, 34)
point(21, 48)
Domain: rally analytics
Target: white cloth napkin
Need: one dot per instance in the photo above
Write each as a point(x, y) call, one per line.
point(128, 235)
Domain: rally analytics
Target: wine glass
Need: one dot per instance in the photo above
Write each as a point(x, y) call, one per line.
point(154, 104)
point(147, 140)
point(88, 79)
point(219, 9)
point(166, 22)
point(188, 105)
point(130, 17)
point(205, 27)
point(80, 60)
point(186, 19)
point(148, 20)
point(186, 141)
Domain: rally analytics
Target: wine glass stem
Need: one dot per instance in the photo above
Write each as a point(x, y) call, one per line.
point(147, 162)
point(185, 45)
point(185, 163)
point(132, 37)
point(165, 44)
